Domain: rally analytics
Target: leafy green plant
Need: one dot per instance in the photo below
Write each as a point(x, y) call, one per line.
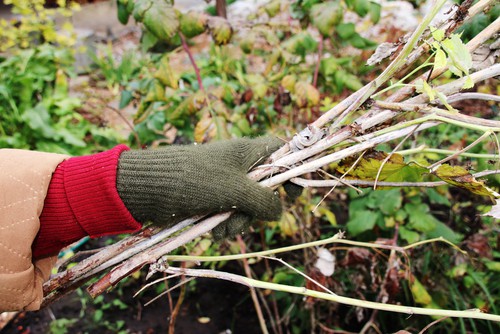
point(209, 92)
point(36, 108)
point(118, 73)
point(61, 326)
point(36, 25)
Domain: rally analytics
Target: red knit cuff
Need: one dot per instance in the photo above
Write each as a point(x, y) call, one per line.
point(82, 200)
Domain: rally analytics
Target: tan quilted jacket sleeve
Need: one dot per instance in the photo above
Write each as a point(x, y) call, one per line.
point(24, 180)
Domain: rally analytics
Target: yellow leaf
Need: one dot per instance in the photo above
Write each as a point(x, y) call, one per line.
point(203, 129)
point(429, 91)
point(439, 60)
point(438, 34)
point(288, 225)
point(368, 166)
point(210, 127)
point(469, 83)
point(288, 82)
point(312, 95)
point(460, 177)
point(220, 29)
point(156, 92)
point(327, 214)
point(220, 108)
point(166, 74)
point(201, 247)
point(306, 94)
point(419, 293)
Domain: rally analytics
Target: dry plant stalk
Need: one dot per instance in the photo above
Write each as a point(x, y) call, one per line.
point(145, 248)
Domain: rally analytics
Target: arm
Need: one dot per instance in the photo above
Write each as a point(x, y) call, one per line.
point(24, 180)
point(116, 191)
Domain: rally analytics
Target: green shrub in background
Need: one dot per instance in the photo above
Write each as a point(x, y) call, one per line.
point(36, 109)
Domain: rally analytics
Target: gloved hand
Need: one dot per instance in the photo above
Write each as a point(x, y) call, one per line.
point(170, 184)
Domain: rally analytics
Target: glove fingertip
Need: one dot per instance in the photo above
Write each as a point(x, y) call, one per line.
point(293, 191)
point(219, 231)
point(234, 225)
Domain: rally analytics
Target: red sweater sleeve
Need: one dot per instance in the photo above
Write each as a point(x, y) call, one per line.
point(82, 200)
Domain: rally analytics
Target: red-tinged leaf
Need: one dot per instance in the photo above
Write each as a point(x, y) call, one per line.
point(356, 256)
point(479, 244)
point(392, 285)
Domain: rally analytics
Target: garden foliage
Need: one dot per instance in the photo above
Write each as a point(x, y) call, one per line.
point(197, 77)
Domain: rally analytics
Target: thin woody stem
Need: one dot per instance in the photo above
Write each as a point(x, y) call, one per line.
point(474, 313)
point(331, 183)
point(185, 46)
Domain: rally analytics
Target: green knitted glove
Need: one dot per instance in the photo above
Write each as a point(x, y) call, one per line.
point(170, 184)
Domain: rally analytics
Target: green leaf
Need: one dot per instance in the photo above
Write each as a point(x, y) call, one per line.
point(125, 98)
point(162, 20)
point(38, 119)
point(375, 10)
point(123, 13)
point(421, 86)
point(444, 101)
point(360, 42)
point(325, 16)
point(457, 271)
point(367, 168)
point(391, 202)
point(300, 44)
point(492, 265)
point(70, 138)
point(408, 235)
point(193, 23)
point(361, 7)
point(140, 8)
point(273, 7)
point(156, 122)
point(156, 91)
point(420, 218)
point(325, 213)
point(148, 40)
point(361, 221)
point(441, 230)
point(98, 314)
point(346, 30)
point(328, 67)
point(460, 58)
point(436, 197)
point(347, 80)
